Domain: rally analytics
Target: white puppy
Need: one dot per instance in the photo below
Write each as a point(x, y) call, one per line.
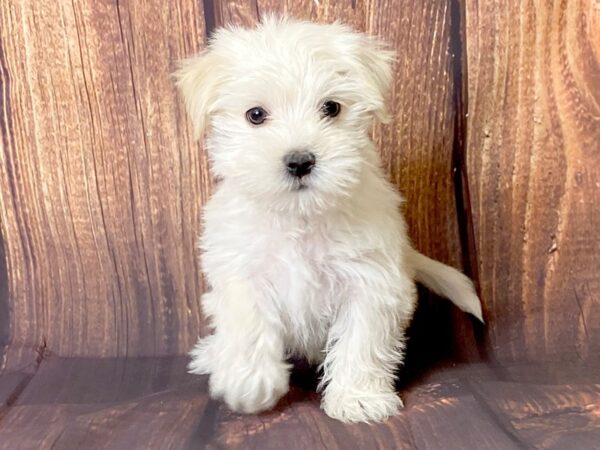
point(304, 245)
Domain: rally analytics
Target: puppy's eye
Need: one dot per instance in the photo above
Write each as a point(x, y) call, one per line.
point(330, 108)
point(256, 115)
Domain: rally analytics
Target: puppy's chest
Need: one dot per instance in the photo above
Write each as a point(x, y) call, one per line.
point(302, 269)
point(302, 261)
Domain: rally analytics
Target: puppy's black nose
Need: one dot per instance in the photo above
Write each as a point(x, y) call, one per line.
point(299, 163)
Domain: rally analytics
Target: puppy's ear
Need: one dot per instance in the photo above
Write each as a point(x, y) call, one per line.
point(198, 79)
point(376, 62)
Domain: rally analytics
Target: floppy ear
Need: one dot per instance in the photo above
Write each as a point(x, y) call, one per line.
point(376, 62)
point(198, 79)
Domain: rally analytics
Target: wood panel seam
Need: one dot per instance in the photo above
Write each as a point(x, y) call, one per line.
point(210, 17)
point(459, 72)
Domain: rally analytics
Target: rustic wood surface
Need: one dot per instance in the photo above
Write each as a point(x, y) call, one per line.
point(150, 403)
point(101, 187)
point(100, 183)
point(534, 170)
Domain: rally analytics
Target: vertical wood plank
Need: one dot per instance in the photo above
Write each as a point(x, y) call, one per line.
point(534, 171)
point(100, 182)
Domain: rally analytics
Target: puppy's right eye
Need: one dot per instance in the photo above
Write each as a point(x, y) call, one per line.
point(256, 115)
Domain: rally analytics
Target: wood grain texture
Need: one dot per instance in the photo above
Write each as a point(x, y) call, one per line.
point(100, 190)
point(101, 185)
point(100, 182)
point(416, 147)
point(148, 403)
point(534, 171)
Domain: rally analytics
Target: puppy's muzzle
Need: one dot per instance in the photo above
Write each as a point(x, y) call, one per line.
point(299, 163)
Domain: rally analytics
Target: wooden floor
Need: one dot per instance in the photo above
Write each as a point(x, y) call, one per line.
point(494, 143)
point(145, 403)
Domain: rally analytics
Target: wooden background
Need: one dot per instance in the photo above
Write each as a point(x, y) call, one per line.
point(101, 184)
point(495, 144)
point(533, 158)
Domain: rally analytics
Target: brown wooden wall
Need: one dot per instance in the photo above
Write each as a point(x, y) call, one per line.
point(101, 184)
point(534, 171)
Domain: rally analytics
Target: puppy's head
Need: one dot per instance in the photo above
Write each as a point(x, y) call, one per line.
point(287, 109)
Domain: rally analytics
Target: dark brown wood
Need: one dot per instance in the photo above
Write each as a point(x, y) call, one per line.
point(151, 403)
point(534, 172)
point(100, 182)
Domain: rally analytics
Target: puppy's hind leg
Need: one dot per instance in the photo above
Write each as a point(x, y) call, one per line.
point(365, 347)
point(245, 356)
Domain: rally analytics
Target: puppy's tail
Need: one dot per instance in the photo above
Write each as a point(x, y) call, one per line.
point(446, 281)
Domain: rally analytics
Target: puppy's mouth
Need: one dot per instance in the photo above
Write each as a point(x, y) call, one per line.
point(300, 185)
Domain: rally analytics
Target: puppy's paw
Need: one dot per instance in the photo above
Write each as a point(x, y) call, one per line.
point(351, 405)
point(249, 389)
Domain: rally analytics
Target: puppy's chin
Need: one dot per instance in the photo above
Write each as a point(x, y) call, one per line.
point(302, 199)
point(314, 194)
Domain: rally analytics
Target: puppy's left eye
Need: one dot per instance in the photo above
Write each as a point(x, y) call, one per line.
point(256, 115)
point(330, 108)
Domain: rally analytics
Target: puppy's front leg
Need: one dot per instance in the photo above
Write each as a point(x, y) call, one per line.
point(245, 355)
point(365, 347)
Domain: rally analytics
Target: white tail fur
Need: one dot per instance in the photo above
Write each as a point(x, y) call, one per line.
point(446, 281)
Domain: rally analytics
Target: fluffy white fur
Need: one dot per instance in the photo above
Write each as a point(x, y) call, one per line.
point(324, 270)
